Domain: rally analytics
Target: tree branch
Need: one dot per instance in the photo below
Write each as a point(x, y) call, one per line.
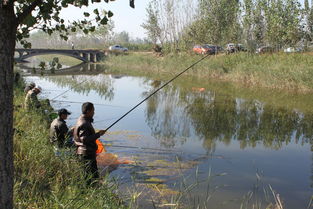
point(28, 11)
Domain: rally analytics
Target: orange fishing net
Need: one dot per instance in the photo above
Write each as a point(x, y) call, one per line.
point(107, 159)
point(101, 148)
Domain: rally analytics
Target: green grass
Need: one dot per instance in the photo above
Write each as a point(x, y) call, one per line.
point(43, 180)
point(291, 72)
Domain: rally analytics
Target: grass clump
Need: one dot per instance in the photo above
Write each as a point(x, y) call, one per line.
point(43, 180)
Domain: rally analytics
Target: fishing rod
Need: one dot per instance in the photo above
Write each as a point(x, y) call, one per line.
point(176, 76)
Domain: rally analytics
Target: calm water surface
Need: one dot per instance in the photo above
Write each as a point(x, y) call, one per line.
point(214, 147)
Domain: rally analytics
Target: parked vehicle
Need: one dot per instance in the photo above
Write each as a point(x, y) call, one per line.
point(118, 48)
point(265, 49)
point(241, 48)
point(231, 48)
point(214, 48)
point(204, 49)
point(292, 49)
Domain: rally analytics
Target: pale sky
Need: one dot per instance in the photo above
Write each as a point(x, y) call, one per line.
point(125, 18)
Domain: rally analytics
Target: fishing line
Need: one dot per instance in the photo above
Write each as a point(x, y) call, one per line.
point(171, 151)
point(75, 102)
point(176, 76)
point(68, 89)
point(107, 119)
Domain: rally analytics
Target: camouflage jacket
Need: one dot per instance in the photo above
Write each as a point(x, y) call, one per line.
point(31, 100)
point(58, 132)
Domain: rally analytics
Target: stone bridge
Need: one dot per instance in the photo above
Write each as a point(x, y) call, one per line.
point(83, 55)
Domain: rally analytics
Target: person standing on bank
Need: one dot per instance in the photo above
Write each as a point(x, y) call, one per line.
point(31, 100)
point(59, 132)
point(30, 86)
point(85, 139)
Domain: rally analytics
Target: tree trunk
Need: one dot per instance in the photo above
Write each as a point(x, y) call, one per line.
point(7, 45)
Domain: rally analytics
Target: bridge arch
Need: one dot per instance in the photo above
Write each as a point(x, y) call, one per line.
point(83, 55)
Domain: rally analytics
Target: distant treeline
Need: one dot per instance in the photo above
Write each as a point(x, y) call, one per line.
point(178, 25)
point(101, 38)
point(181, 24)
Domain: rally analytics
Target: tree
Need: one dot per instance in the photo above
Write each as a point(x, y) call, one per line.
point(306, 6)
point(259, 23)
point(217, 22)
point(151, 25)
point(17, 18)
point(122, 37)
point(310, 23)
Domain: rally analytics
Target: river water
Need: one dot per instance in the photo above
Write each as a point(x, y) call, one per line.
point(196, 143)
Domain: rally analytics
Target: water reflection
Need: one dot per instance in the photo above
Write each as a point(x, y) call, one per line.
point(170, 115)
point(101, 84)
point(81, 78)
point(207, 121)
point(82, 68)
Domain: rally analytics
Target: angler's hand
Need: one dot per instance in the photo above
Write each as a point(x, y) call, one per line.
point(101, 132)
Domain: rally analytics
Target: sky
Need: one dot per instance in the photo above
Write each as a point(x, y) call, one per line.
point(125, 18)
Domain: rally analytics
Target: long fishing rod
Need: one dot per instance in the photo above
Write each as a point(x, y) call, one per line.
point(176, 76)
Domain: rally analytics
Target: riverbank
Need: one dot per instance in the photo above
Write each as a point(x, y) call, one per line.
point(43, 180)
point(291, 72)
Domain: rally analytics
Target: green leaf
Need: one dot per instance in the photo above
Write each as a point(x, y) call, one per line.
point(92, 29)
point(30, 21)
point(104, 21)
point(49, 31)
point(59, 66)
point(86, 14)
point(28, 45)
point(110, 14)
point(96, 11)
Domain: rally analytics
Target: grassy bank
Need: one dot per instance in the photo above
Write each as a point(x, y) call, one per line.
point(292, 72)
point(43, 180)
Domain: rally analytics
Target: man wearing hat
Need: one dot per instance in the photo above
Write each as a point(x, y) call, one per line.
point(59, 132)
point(30, 86)
point(31, 100)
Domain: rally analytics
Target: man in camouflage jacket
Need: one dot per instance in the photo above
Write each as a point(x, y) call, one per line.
point(59, 131)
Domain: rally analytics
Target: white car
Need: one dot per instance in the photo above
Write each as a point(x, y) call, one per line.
point(118, 48)
point(292, 49)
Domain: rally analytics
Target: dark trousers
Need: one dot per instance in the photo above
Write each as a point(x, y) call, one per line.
point(91, 168)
